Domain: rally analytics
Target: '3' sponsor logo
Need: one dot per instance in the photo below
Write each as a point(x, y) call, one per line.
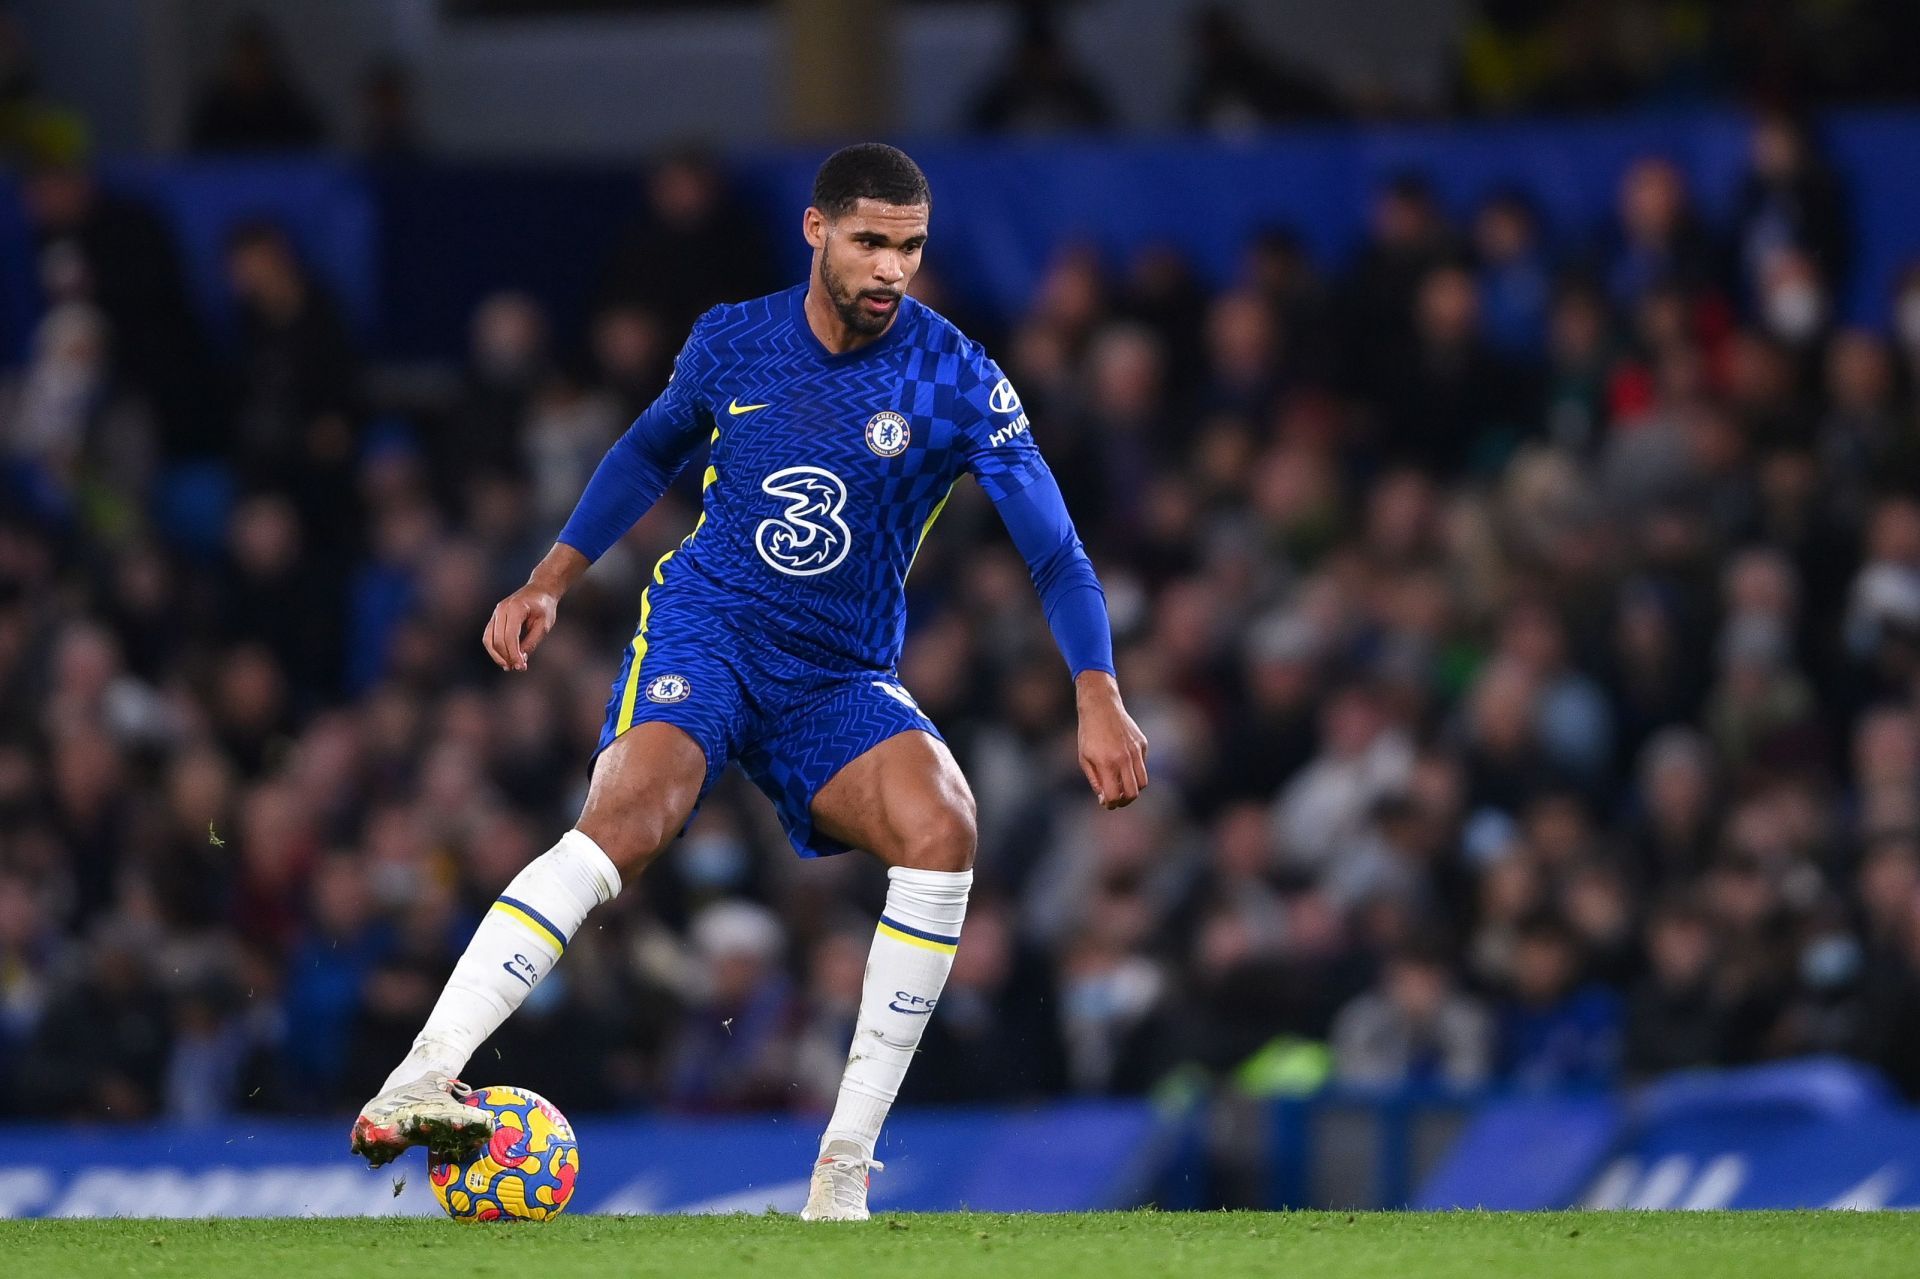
point(809, 536)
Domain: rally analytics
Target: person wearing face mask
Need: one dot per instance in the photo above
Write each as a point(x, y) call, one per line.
point(509, 360)
point(64, 420)
point(116, 253)
point(1790, 200)
point(1906, 319)
point(1793, 302)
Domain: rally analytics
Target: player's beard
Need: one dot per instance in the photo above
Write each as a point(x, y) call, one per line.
point(846, 302)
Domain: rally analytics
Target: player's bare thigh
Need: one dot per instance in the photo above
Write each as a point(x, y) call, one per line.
point(644, 787)
point(905, 801)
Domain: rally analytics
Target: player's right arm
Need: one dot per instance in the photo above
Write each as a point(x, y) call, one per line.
point(1001, 454)
point(626, 484)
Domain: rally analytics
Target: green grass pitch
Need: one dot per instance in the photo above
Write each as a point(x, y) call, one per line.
point(1153, 1245)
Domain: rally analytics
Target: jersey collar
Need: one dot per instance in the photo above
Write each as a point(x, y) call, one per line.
point(907, 317)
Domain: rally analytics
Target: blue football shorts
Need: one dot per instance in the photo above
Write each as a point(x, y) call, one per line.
point(791, 724)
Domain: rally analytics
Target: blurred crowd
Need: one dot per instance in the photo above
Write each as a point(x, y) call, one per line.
point(1503, 58)
point(1527, 630)
point(1490, 58)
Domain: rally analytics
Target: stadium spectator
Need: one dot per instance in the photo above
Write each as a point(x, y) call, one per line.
point(1415, 1028)
point(1514, 274)
point(251, 102)
point(1408, 238)
point(1661, 242)
point(30, 125)
point(1674, 1016)
point(342, 942)
point(101, 1050)
point(1234, 86)
point(67, 428)
point(30, 946)
point(733, 1049)
point(1042, 89)
point(632, 358)
point(1116, 1018)
point(1556, 1031)
point(566, 432)
point(1790, 202)
point(1244, 371)
point(1579, 347)
point(117, 254)
point(389, 128)
point(1906, 318)
point(276, 594)
point(508, 360)
point(693, 246)
point(1365, 757)
point(298, 372)
point(1859, 435)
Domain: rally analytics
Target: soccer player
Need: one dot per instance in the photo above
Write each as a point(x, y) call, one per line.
point(841, 413)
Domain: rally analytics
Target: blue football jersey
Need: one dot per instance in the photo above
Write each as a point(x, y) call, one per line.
point(827, 470)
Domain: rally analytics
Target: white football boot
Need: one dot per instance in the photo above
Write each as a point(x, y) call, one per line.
point(839, 1189)
point(431, 1111)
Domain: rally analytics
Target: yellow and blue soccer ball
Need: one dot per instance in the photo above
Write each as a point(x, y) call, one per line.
point(525, 1173)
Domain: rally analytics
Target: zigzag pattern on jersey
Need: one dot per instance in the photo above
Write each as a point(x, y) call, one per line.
point(792, 674)
point(816, 409)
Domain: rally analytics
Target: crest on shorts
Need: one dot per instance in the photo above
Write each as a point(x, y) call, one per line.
point(669, 688)
point(888, 433)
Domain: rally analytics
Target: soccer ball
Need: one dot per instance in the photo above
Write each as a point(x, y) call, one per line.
point(525, 1173)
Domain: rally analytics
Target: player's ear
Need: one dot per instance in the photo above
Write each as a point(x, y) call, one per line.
point(813, 225)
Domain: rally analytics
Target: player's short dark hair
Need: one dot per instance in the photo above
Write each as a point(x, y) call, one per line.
point(868, 171)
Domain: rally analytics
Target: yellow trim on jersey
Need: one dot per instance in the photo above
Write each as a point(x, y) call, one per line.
point(927, 528)
point(629, 699)
point(939, 948)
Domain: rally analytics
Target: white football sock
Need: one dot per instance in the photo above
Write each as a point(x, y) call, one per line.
point(517, 944)
point(912, 952)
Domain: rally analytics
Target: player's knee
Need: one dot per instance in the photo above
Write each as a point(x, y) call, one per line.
point(631, 836)
point(944, 840)
point(644, 788)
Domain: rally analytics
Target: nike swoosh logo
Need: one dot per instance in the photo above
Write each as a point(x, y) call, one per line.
point(735, 408)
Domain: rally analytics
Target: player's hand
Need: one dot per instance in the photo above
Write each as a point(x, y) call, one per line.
point(518, 624)
point(1113, 750)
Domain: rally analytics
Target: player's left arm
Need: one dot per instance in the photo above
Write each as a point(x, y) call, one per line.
point(624, 487)
point(1002, 456)
point(1113, 750)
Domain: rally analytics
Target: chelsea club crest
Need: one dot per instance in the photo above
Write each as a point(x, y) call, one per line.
point(669, 688)
point(887, 433)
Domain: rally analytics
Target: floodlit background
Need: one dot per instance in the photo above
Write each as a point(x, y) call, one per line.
point(1494, 423)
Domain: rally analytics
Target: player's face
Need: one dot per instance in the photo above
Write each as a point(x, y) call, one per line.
point(867, 258)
